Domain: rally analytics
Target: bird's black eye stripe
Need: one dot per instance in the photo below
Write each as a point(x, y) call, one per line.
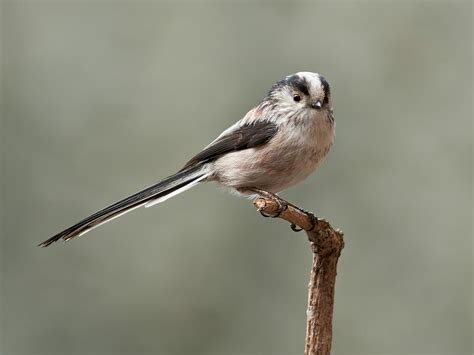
point(326, 89)
point(298, 83)
point(296, 98)
point(294, 82)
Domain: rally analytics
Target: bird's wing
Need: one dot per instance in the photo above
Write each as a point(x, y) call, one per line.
point(238, 137)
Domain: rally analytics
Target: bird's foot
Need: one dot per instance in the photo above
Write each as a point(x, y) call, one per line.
point(282, 204)
point(312, 217)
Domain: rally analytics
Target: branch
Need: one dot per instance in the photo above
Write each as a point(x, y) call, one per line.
point(326, 244)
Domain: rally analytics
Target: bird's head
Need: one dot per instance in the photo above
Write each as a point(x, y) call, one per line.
point(303, 95)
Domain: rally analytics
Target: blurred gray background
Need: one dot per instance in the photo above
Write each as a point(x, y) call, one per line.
point(101, 99)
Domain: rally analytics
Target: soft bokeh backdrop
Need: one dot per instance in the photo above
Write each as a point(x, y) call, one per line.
point(103, 98)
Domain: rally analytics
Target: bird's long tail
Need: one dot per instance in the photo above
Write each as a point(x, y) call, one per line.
point(169, 187)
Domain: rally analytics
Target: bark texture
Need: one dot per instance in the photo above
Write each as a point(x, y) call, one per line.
point(326, 244)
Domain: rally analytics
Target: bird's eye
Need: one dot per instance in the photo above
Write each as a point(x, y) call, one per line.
point(296, 98)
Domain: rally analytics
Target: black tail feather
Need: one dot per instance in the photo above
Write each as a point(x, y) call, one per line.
point(163, 188)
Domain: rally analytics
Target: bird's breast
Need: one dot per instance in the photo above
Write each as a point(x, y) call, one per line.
point(290, 156)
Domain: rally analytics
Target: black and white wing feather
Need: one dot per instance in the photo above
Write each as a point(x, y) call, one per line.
point(237, 137)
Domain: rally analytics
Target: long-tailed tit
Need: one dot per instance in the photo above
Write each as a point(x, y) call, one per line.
point(277, 144)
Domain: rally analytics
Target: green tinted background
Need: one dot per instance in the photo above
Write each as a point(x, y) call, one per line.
point(100, 99)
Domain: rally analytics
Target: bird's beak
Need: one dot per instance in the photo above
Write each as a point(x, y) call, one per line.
point(316, 104)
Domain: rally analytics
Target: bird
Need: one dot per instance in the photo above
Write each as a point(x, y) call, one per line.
point(277, 144)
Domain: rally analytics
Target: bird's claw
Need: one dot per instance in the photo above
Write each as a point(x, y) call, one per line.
point(283, 205)
point(314, 221)
point(294, 228)
point(281, 208)
point(267, 215)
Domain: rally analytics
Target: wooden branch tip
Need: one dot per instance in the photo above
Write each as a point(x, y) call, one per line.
point(326, 244)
